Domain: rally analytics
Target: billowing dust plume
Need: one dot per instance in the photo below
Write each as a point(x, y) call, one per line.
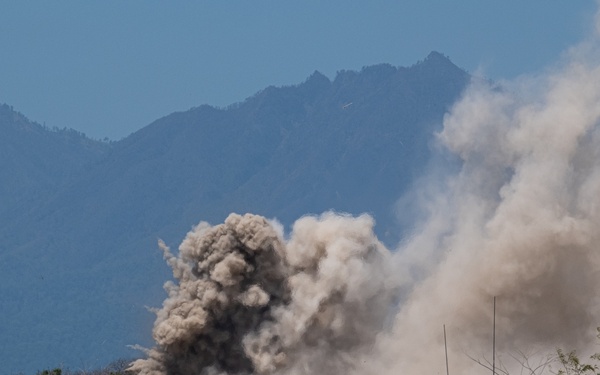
point(519, 221)
point(246, 301)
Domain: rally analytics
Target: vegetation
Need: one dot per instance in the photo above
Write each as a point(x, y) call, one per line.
point(557, 363)
point(572, 365)
point(118, 367)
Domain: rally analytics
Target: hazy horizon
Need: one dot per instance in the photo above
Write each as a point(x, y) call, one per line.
point(108, 69)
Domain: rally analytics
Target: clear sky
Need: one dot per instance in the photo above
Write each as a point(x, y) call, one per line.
point(110, 67)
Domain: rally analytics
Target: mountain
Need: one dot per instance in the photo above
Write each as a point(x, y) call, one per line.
point(78, 254)
point(35, 161)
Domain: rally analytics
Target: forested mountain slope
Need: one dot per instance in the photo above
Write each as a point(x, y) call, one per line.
point(80, 218)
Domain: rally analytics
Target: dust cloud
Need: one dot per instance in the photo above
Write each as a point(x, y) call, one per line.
point(519, 221)
point(247, 301)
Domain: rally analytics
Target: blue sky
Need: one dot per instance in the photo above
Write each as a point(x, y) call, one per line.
point(108, 68)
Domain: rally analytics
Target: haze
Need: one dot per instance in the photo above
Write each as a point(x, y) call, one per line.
point(109, 68)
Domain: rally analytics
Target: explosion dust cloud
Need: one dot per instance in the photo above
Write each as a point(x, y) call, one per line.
point(247, 301)
point(520, 221)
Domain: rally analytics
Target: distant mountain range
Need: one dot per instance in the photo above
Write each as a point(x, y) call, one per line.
point(79, 218)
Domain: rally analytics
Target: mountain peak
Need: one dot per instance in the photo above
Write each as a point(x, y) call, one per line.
point(440, 63)
point(316, 82)
point(437, 56)
point(437, 59)
point(318, 77)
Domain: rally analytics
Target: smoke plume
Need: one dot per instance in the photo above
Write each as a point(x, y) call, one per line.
point(246, 301)
point(520, 221)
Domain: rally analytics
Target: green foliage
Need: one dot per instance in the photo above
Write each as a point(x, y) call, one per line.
point(571, 364)
point(56, 371)
point(117, 367)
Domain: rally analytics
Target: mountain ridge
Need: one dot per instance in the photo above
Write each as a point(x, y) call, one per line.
point(352, 144)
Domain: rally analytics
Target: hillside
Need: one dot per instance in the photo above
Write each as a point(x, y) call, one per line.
point(79, 261)
point(36, 161)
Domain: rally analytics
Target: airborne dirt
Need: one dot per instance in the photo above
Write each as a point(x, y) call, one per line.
point(519, 221)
